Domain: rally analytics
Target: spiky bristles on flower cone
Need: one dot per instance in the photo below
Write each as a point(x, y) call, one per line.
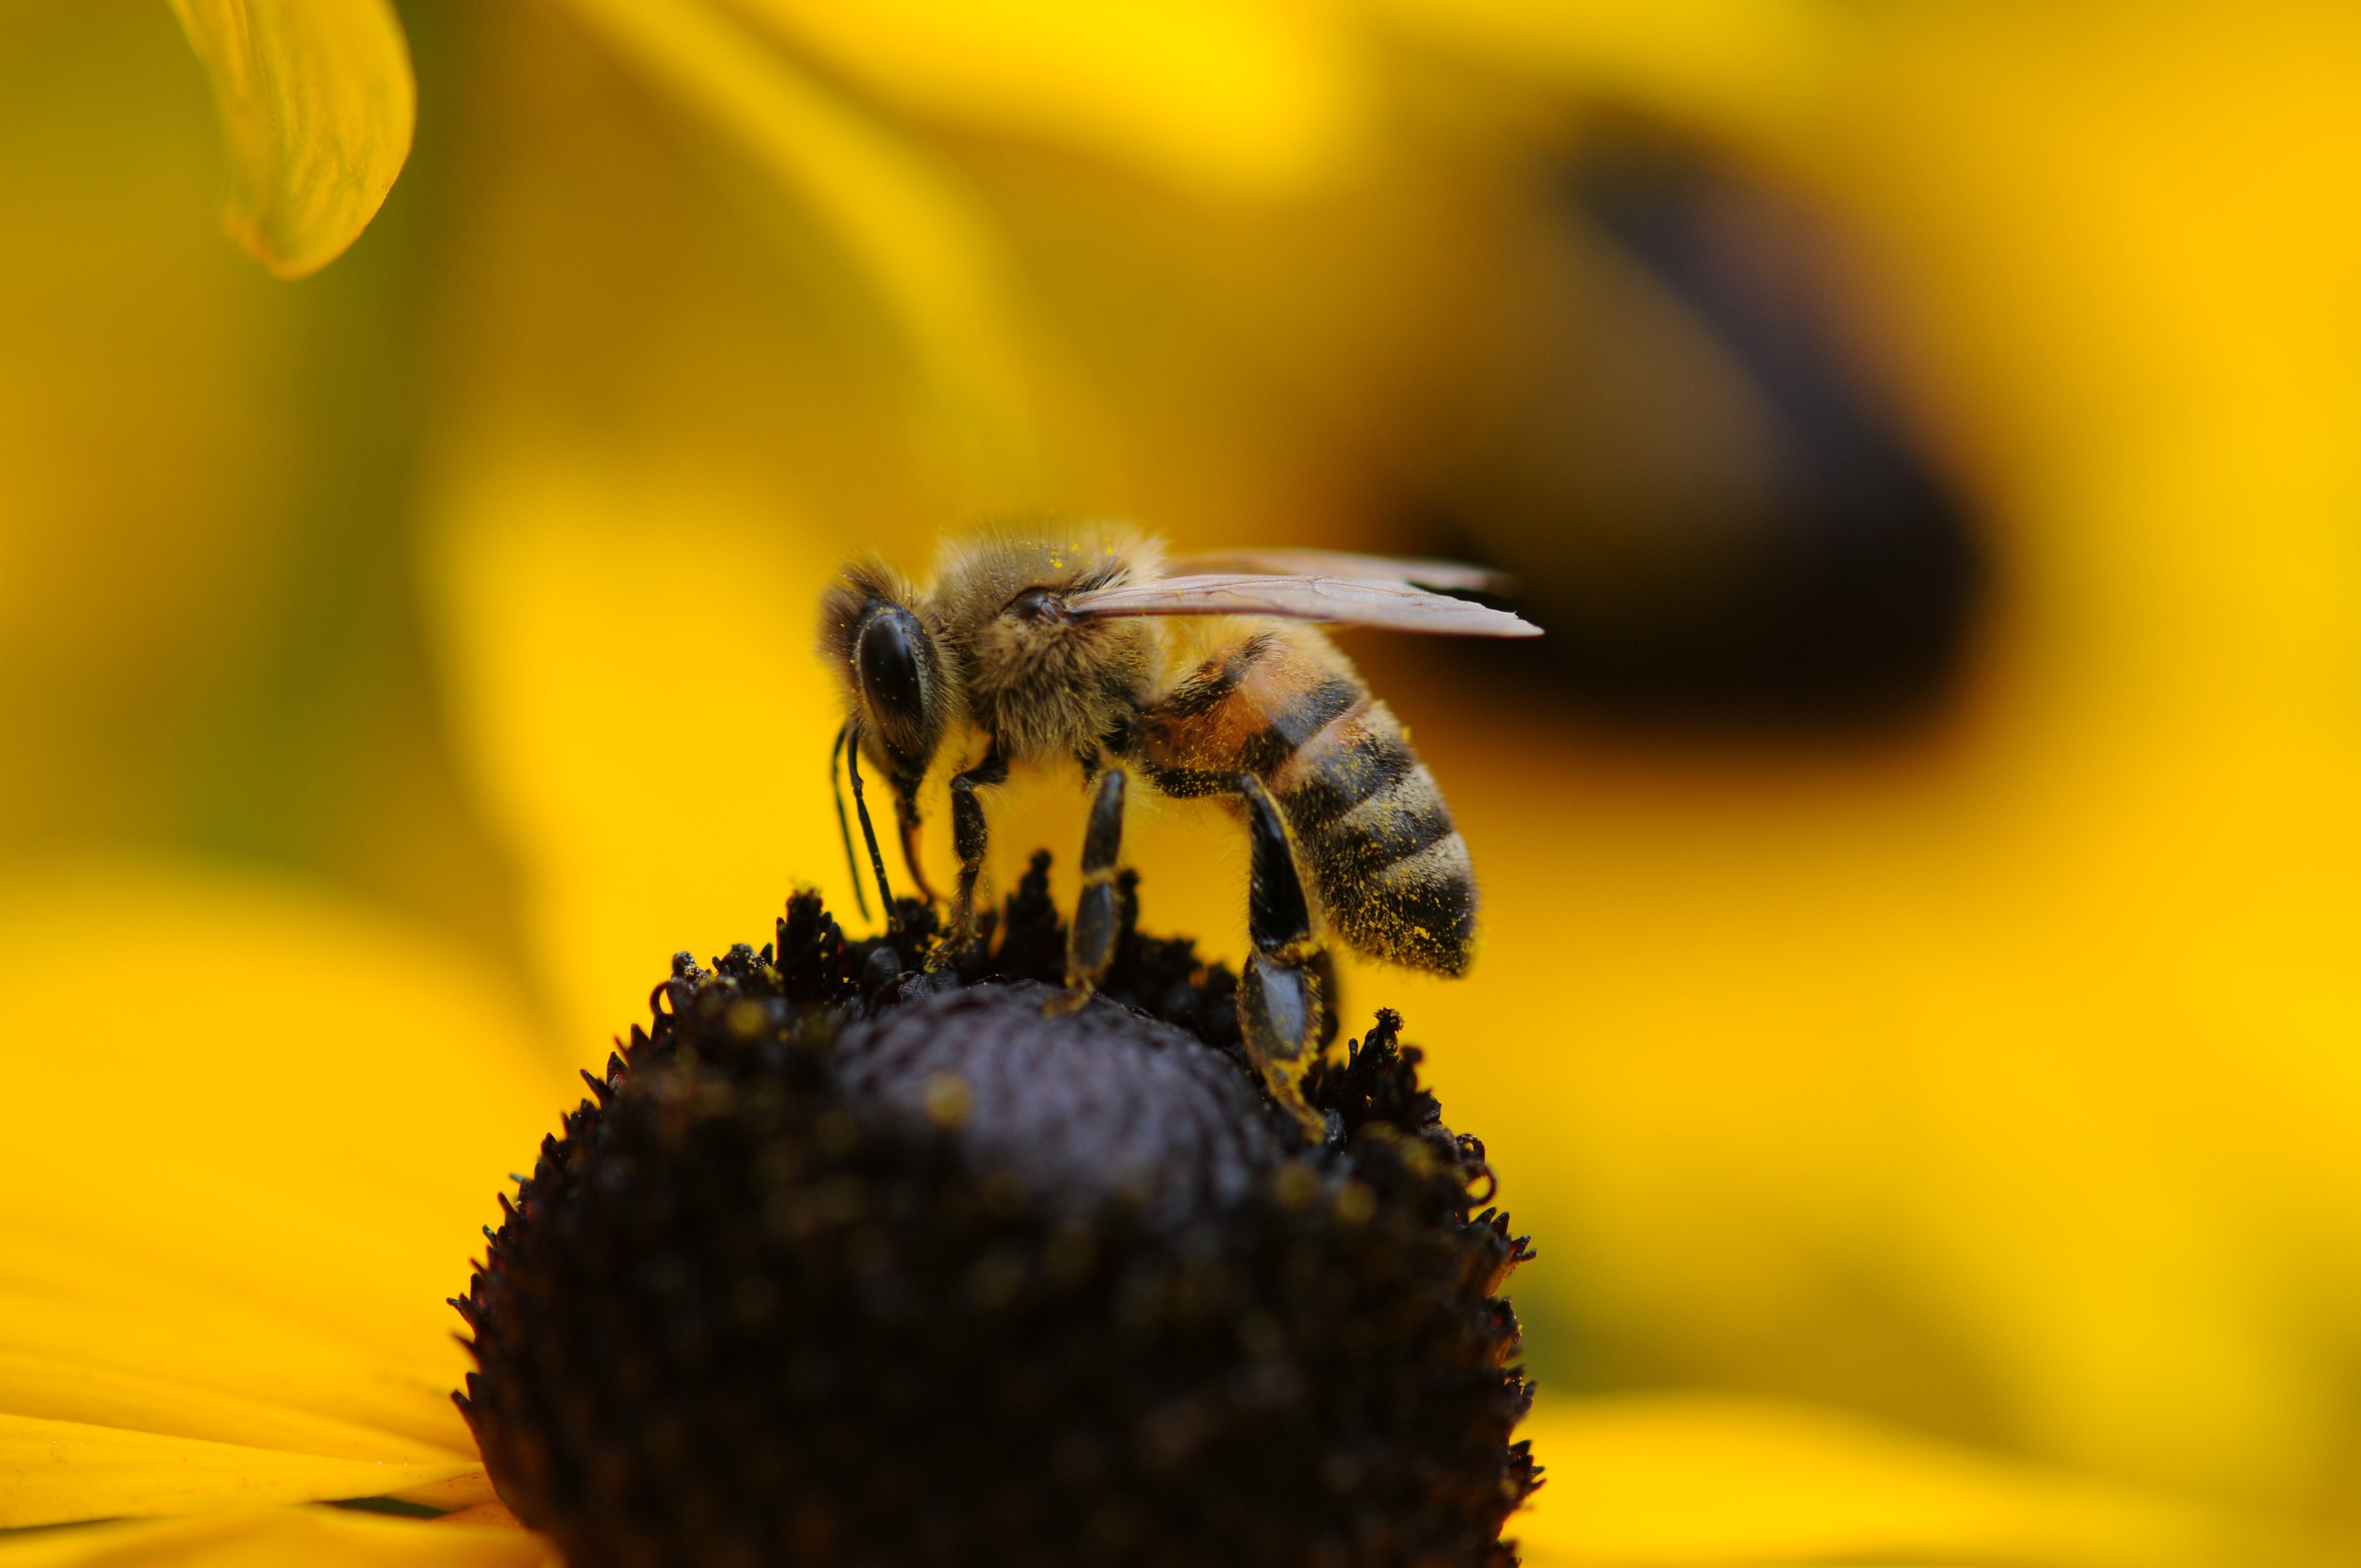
point(846, 1263)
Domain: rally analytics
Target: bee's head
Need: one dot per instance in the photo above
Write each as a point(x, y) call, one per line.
point(893, 673)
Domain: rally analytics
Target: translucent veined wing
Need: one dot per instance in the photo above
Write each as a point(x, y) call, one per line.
point(1349, 601)
point(1344, 563)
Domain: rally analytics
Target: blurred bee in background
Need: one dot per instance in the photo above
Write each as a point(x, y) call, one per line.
point(1091, 646)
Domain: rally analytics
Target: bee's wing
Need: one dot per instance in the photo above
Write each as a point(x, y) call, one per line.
point(1350, 601)
point(1342, 564)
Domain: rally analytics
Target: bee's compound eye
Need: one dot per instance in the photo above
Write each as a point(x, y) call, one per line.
point(888, 655)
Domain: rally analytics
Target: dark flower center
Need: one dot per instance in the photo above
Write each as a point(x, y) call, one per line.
point(851, 1263)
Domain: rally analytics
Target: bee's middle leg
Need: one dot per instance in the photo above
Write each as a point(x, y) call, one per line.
point(970, 836)
point(1090, 939)
point(1282, 995)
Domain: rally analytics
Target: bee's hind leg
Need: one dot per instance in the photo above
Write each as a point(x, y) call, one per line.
point(1282, 996)
point(1098, 921)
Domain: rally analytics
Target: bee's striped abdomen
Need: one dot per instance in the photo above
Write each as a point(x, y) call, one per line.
point(1378, 844)
point(1390, 866)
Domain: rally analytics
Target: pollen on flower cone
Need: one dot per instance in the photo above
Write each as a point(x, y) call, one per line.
point(848, 1260)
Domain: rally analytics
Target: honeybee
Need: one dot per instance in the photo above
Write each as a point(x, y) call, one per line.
point(1090, 645)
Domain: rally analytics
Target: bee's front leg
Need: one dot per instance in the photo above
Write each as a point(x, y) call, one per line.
point(1282, 1004)
point(905, 816)
point(1090, 939)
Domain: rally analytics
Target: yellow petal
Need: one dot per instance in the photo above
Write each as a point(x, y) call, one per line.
point(467, 1494)
point(1232, 96)
point(918, 239)
point(268, 1129)
point(1747, 60)
point(76, 1390)
point(81, 1305)
point(53, 1471)
point(1707, 1480)
point(282, 1538)
point(639, 704)
point(2007, 1078)
point(317, 104)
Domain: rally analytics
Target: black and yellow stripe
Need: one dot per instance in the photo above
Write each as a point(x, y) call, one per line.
point(1389, 865)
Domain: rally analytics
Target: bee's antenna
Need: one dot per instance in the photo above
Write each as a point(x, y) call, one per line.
point(860, 807)
point(843, 826)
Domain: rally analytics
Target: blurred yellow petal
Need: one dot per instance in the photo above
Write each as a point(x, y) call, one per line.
point(317, 106)
point(282, 1538)
point(2006, 1082)
point(1750, 61)
point(78, 1305)
point(461, 1493)
point(1677, 1479)
point(76, 1390)
point(1225, 95)
point(268, 1127)
point(632, 668)
point(53, 1471)
point(918, 239)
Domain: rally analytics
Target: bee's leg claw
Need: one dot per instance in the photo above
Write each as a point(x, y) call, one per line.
point(971, 836)
point(1090, 939)
point(1279, 1012)
point(1282, 1000)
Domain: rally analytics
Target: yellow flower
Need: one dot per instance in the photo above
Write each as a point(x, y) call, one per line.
point(1997, 1084)
point(252, 1144)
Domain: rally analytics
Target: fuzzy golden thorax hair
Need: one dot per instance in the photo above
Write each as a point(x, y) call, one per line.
point(1047, 686)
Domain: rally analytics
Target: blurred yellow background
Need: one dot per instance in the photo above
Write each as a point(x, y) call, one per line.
point(1919, 975)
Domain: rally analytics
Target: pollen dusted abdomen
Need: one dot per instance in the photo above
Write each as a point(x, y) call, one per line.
point(1389, 866)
